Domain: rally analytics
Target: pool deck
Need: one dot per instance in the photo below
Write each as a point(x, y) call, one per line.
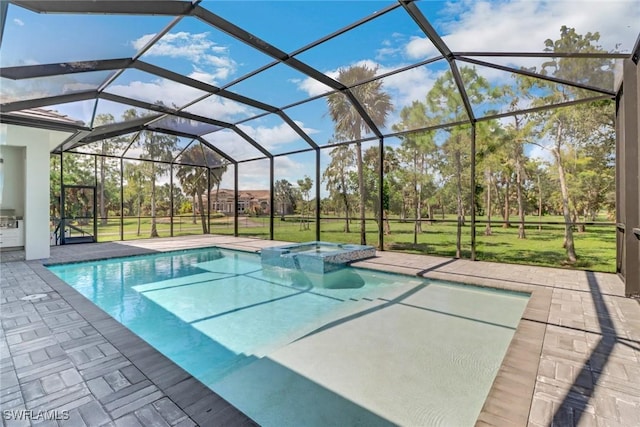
point(574, 359)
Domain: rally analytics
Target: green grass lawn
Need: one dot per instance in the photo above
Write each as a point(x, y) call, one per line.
point(595, 247)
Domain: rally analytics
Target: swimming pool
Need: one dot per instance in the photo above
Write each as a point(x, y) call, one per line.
point(291, 348)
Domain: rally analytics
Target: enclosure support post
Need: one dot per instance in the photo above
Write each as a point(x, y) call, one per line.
point(473, 191)
point(208, 200)
point(271, 198)
point(62, 219)
point(628, 174)
point(235, 199)
point(381, 198)
point(121, 199)
point(95, 205)
point(171, 200)
point(318, 193)
point(95, 220)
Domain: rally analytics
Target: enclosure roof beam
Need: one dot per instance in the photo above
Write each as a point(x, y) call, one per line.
point(173, 159)
point(40, 123)
point(251, 141)
point(537, 75)
point(148, 45)
point(437, 41)
point(635, 53)
point(170, 132)
point(546, 107)
point(297, 129)
point(62, 68)
point(283, 57)
point(51, 100)
point(113, 130)
point(171, 75)
point(426, 28)
point(156, 7)
point(197, 84)
point(4, 6)
point(162, 109)
point(217, 150)
point(71, 140)
point(346, 29)
point(585, 55)
point(457, 77)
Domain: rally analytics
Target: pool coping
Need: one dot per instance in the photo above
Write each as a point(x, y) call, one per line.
point(508, 401)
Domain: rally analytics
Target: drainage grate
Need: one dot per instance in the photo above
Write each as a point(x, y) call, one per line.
point(33, 297)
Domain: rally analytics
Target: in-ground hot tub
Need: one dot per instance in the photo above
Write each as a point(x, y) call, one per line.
point(315, 257)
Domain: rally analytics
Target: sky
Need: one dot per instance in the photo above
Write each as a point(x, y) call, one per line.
point(195, 49)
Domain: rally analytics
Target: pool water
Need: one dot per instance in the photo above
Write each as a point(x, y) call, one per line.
point(251, 333)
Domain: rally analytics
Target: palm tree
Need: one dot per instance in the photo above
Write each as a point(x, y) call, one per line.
point(154, 146)
point(194, 180)
point(349, 124)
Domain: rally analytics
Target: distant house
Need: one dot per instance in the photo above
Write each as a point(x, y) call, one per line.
point(248, 201)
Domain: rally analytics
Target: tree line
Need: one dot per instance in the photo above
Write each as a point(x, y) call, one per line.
point(431, 170)
point(427, 173)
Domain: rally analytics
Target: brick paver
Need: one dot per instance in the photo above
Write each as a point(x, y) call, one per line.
point(55, 363)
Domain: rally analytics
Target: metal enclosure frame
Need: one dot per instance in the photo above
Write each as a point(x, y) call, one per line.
point(12, 111)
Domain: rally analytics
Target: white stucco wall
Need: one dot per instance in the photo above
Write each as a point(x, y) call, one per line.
point(12, 185)
point(37, 144)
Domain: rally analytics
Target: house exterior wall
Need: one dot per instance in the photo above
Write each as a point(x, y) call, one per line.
point(248, 201)
point(37, 144)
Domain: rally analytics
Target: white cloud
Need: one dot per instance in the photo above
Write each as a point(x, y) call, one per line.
point(167, 91)
point(391, 48)
point(233, 145)
point(313, 87)
point(209, 59)
point(77, 87)
point(142, 41)
point(411, 85)
point(273, 137)
point(539, 152)
point(288, 168)
point(517, 26)
point(203, 76)
point(253, 175)
point(18, 22)
point(523, 26)
point(223, 109)
point(386, 52)
point(420, 48)
point(404, 88)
